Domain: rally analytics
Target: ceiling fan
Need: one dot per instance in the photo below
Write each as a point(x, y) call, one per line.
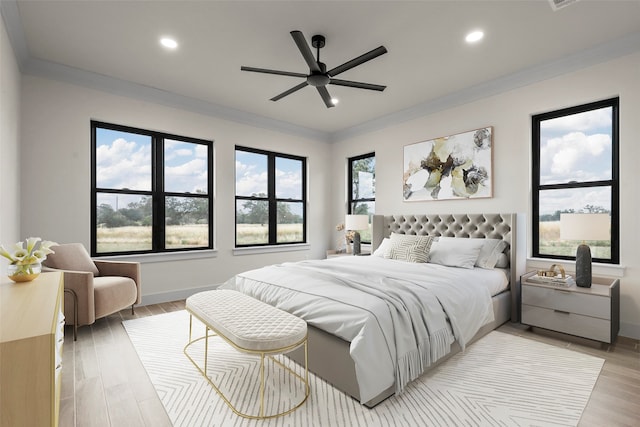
point(318, 75)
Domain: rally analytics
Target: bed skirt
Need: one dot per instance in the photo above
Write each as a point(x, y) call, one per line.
point(329, 356)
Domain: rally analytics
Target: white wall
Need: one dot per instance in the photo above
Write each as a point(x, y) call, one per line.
point(55, 152)
point(510, 115)
point(56, 168)
point(9, 140)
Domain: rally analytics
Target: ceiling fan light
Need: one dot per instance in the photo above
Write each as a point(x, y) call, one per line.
point(168, 42)
point(474, 36)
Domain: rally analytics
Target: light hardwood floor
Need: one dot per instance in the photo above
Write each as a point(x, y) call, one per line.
point(104, 383)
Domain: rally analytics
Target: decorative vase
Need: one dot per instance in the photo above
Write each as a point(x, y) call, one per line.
point(348, 247)
point(23, 273)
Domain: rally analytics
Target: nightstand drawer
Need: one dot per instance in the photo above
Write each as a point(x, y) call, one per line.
point(567, 301)
point(568, 323)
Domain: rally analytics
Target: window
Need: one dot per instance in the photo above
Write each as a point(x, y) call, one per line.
point(362, 188)
point(271, 198)
point(150, 191)
point(575, 170)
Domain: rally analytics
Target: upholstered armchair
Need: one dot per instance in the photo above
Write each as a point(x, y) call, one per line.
point(93, 288)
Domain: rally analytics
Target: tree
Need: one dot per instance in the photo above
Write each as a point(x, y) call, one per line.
point(595, 209)
point(255, 211)
point(285, 216)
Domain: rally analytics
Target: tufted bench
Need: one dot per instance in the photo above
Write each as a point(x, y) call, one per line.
point(250, 326)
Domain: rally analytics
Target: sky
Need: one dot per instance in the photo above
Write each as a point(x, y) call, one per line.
point(123, 161)
point(251, 175)
point(576, 148)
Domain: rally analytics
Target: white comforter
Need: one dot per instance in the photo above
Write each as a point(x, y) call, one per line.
point(394, 313)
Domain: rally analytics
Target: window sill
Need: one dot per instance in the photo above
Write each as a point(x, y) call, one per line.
point(162, 257)
point(271, 249)
point(597, 269)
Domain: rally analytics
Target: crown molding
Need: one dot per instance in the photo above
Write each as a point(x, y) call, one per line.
point(37, 67)
point(91, 80)
point(599, 54)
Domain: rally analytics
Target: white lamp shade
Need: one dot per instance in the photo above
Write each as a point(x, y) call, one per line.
point(581, 226)
point(356, 222)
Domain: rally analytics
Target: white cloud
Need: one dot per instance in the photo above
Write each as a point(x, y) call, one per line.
point(288, 184)
point(190, 176)
point(124, 165)
point(201, 151)
point(249, 180)
point(576, 199)
point(587, 122)
point(570, 157)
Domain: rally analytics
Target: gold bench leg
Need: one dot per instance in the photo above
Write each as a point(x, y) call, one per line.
point(261, 415)
point(261, 384)
point(206, 349)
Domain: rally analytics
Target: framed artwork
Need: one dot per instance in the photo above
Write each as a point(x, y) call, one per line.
point(451, 167)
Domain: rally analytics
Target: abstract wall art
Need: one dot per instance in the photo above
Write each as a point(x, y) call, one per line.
point(451, 167)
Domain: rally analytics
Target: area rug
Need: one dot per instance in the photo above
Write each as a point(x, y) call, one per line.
point(501, 380)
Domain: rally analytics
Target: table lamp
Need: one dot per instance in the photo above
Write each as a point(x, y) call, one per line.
point(355, 223)
point(584, 226)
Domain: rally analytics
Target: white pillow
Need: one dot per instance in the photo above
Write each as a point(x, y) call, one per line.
point(455, 252)
point(490, 252)
point(410, 248)
point(503, 261)
point(383, 248)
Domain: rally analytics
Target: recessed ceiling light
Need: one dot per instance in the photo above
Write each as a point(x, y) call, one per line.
point(168, 42)
point(474, 36)
point(335, 101)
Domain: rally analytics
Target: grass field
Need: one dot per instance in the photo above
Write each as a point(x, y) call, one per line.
point(138, 238)
point(255, 234)
point(550, 243)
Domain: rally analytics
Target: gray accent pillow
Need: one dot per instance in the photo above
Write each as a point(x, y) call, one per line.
point(411, 248)
point(491, 250)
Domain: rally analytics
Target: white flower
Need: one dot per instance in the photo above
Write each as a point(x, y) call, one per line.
point(28, 255)
point(20, 254)
point(31, 243)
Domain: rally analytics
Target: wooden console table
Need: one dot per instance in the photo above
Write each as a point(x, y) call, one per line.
point(31, 337)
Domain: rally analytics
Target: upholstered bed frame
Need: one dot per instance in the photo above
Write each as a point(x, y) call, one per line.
point(329, 356)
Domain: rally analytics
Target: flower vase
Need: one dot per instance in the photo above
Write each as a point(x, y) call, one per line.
point(23, 272)
point(348, 248)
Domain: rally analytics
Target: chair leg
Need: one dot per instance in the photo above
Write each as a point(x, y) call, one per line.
point(132, 311)
point(75, 312)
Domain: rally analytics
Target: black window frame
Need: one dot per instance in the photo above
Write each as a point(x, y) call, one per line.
point(272, 199)
point(614, 182)
point(157, 192)
point(350, 177)
point(350, 199)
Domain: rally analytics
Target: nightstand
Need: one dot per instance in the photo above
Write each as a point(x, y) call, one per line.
point(592, 313)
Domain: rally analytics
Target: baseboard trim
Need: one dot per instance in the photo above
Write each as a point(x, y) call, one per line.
point(629, 330)
point(161, 297)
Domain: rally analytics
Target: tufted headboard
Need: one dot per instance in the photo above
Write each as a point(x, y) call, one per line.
point(481, 225)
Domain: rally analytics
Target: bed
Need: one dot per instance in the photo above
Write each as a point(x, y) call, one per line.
point(332, 354)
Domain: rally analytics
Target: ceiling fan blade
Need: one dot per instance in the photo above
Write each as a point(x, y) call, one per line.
point(298, 37)
point(267, 71)
point(357, 61)
point(290, 91)
point(359, 85)
point(324, 93)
